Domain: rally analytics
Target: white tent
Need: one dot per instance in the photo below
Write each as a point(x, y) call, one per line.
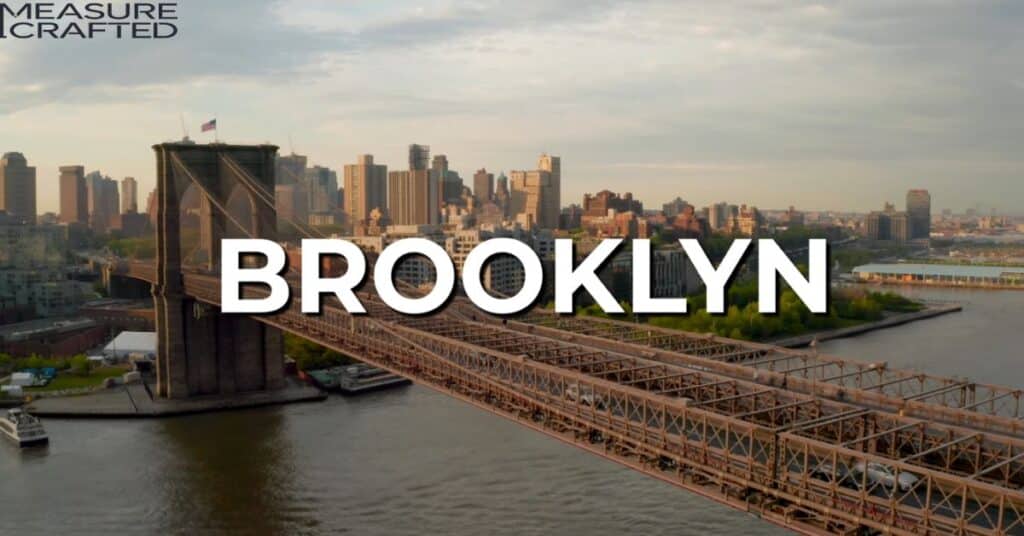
point(129, 343)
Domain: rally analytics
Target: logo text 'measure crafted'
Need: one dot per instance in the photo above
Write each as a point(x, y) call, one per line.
point(90, 20)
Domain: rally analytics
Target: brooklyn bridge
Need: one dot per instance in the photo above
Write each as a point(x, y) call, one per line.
point(812, 442)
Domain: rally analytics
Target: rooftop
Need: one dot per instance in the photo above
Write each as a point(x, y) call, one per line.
point(133, 341)
point(33, 328)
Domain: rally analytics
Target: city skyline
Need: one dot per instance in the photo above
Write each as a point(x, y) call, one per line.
point(761, 103)
point(140, 188)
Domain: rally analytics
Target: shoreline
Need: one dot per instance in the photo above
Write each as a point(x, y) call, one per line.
point(135, 401)
point(936, 284)
point(931, 311)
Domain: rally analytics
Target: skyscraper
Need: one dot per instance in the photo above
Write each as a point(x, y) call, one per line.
point(553, 194)
point(483, 186)
point(408, 197)
point(502, 196)
point(414, 195)
point(103, 201)
point(290, 169)
point(536, 195)
point(365, 188)
point(18, 187)
point(74, 197)
point(419, 156)
point(291, 203)
point(322, 183)
point(718, 215)
point(439, 164)
point(919, 210)
point(129, 195)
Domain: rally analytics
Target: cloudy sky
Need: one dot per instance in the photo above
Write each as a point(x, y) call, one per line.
point(832, 105)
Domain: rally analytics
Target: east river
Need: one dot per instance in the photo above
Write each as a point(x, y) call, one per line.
point(412, 461)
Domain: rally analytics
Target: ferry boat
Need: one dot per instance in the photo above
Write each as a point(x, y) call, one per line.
point(22, 428)
point(359, 378)
point(353, 379)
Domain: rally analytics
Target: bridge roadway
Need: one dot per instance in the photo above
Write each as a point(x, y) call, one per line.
point(785, 455)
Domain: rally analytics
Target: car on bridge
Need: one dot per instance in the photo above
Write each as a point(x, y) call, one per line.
point(885, 475)
point(584, 395)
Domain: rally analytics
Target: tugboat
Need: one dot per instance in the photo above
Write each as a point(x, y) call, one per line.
point(22, 428)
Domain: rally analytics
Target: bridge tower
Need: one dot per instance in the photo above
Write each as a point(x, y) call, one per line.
point(201, 351)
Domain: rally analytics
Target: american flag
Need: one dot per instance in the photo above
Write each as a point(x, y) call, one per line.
point(209, 125)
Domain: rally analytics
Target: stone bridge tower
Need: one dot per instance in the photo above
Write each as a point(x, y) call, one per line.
point(201, 351)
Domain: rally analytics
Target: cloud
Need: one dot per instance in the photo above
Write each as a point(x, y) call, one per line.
point(674, 89)
point(266, 39)
point(226, 39)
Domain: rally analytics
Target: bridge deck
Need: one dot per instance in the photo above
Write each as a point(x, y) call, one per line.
point(614, 389)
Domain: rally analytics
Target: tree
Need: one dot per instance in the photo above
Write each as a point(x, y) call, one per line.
point(80, 365)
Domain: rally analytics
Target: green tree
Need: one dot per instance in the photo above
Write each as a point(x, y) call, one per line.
point(80, 365)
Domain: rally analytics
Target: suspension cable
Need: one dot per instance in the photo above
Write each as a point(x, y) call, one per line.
point(265, 197)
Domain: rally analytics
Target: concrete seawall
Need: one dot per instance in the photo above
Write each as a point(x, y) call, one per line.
point(136, 401)
point(931, 311)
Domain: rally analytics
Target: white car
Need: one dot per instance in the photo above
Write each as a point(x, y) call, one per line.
point(885, 475)
point(587, 397)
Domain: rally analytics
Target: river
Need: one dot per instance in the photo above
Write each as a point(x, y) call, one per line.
point(412, 461)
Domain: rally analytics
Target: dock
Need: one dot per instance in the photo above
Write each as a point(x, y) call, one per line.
point(355, 379)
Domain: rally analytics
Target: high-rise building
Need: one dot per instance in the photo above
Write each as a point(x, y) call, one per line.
point(439, 164)
point(483, 186)
point(536, 195)
point(291, 195)
point(103, 201)
point(502, 195)
point(718, 216)
point(291, 203)
point(919, 209)
point(419, 156)
point(889, 225)
point(74, 196)
point(365, 188)
point(412, 198)
point(322, 185)
point(290, 169)
point(674, 207)
point(129, 195)
point(877, 226)
point(18, 187)
point(900, 227)
point(449, 182)
point(552, 203)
